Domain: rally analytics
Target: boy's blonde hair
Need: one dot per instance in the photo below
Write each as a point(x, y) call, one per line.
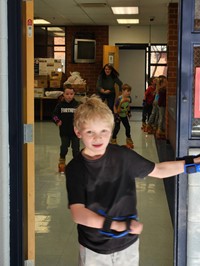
point(93, 108)
point(126, 87)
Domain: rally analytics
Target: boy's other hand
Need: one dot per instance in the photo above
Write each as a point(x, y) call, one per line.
point(136, 227)
point(59, 123)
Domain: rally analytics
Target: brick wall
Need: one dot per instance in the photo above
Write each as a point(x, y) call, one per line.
point(172, 60)
point(89, 72)
point(172, 47)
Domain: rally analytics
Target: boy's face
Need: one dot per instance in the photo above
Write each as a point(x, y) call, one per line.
point(68, 94)
point(126, 93)
point(95, 135)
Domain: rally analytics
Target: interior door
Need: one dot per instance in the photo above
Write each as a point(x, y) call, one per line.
point(132, 66)
point(111, 56)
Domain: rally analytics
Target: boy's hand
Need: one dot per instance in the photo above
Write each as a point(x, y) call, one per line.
point(117, 118)
point(59, 123)
point(197, 159)
point(129, 114)
point(136, 227)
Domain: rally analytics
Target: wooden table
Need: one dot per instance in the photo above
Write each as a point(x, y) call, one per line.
point(41, 104)
point(42, 100)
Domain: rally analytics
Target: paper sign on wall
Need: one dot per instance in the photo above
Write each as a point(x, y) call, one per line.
point(29, 28)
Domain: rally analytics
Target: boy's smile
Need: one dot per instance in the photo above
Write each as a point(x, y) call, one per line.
point(95, 135)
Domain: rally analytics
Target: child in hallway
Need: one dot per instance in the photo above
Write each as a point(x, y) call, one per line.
point(160, 133)
point(102, 191)
point(149, 96)
point(122, 114)
point(152, 124)
point(63, 117)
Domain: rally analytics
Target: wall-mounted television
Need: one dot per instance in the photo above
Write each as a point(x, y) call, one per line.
point(84, 51)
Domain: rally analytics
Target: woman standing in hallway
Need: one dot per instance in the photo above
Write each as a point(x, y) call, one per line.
point(106, 82)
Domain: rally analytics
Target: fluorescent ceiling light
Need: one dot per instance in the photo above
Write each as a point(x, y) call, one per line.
point(128, 21)
point(125, 10)
point(60, 34)
point(41, 21)
point(54, 29)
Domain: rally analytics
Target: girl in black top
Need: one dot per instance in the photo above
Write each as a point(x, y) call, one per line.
point(106, 82)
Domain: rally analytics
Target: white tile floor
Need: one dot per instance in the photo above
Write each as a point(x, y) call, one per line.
point(56, 237)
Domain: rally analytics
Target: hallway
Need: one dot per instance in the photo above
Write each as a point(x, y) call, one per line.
point(56, 237)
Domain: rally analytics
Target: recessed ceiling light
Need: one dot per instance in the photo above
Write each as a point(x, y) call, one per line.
point(41, 21)
point(128, 21)
point(125, 10)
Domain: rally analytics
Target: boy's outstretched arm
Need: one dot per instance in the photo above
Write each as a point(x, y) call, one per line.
point(86, 217)
point(170, 168)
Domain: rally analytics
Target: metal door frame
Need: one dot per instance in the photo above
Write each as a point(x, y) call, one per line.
point(184, 140)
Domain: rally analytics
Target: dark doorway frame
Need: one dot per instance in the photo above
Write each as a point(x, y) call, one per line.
point(15, 131)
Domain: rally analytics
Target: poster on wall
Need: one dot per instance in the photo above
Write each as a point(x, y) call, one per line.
point(197, 93)
point(111, 58)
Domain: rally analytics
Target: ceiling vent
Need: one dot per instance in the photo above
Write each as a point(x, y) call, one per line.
point(93, 5)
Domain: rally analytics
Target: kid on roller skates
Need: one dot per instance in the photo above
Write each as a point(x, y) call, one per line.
point(122, 114)
point(63, 117)
point(101, 189)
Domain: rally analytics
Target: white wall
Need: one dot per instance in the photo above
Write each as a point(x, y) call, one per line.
point(4, 147)
point(132, 71)
point(137, 34)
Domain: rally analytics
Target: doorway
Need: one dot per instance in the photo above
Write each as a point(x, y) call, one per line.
point(132, 69)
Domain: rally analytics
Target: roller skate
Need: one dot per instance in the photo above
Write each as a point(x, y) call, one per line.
point(143, 126)
point(129, 143)
point(61, 166)
point(113, 141)
point(150, 130)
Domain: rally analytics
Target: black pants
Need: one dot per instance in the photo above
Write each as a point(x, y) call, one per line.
point(125, 123)
point(146, 112)
point(65, 144)
point(110, 98)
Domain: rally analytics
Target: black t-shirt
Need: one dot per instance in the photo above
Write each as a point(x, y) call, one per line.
point(106, 184)
point(64, 111)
